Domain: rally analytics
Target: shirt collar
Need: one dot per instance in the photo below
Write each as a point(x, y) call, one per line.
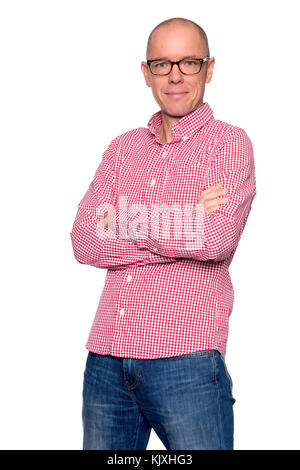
point(186, 126)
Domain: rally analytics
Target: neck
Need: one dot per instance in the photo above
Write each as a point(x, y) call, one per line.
point(165, 134)
point(165, 129)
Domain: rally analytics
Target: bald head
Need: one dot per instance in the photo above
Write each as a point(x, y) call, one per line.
point(177, 22)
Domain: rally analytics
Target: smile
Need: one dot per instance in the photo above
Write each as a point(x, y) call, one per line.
point(176, 95)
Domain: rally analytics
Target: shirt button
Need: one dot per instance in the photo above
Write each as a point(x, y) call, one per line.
point(184, 137)
point(129, 277)
point(153, 181)
point(122, 311)
point(155, 249)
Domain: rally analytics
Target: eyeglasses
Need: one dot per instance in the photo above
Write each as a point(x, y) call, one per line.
point(188, 65)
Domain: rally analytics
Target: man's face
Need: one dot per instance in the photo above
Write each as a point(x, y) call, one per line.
point(175, 43)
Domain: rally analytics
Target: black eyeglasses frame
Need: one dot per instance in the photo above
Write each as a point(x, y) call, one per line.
point(202, 59)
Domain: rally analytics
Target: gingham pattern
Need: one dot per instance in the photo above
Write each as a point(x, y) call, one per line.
point(163, 296)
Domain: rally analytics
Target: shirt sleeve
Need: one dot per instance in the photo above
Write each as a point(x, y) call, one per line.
point(94, 244)
point(196, 234)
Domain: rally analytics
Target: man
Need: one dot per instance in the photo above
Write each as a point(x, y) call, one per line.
point(156, 216)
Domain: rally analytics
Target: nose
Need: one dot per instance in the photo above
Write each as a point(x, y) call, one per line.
point(175, 75)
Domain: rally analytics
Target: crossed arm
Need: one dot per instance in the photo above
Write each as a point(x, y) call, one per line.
point(202, 235)
point(216, 233)
point(92, 242)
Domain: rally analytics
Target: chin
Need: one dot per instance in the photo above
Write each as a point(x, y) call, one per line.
point(177, 110)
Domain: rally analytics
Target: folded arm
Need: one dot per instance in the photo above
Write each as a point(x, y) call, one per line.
point(198, 234)
point(95, 245)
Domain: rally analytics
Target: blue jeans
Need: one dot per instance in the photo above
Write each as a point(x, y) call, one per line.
point(186, 399)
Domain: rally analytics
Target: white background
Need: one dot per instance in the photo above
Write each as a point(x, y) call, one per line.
point(59, 111)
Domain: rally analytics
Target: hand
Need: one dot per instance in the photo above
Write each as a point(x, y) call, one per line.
point(107, 222)
point(108, 216)
point(210, 199)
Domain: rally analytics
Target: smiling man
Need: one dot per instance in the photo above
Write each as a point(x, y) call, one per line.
point(180, 92)
point(156, 217)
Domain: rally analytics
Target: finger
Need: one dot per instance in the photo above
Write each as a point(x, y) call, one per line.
point(216, 204)
point(221, 200)
point(214, 187)
point(213, 203)
point(209, 193)
point(212, 209)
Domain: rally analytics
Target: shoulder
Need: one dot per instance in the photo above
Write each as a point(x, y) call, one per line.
point(130, 137)
point(224, 133)
point(232, 137)
point(233, 146)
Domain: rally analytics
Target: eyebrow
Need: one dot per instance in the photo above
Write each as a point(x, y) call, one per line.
point(185, 57)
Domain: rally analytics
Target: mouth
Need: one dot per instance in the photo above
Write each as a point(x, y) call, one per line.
point(176, 95)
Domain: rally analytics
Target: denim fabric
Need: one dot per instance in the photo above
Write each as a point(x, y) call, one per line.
point(186, 399)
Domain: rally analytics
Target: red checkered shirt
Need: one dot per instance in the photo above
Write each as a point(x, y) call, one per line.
point(167, 289)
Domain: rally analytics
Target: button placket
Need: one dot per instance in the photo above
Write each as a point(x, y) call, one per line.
point(122, 310)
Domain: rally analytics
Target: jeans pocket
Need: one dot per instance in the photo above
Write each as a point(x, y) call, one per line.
point(227, 375)
point(222, 372)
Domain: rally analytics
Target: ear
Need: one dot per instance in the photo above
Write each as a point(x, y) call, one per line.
point(210, 68)
point(146, 72)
